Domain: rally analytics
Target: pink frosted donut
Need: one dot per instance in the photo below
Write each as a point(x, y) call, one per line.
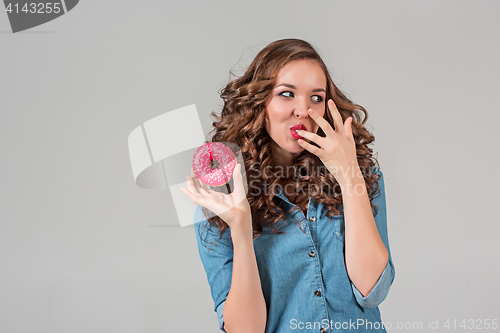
point(214, 163)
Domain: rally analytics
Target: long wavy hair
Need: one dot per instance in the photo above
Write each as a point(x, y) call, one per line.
point(242, 121)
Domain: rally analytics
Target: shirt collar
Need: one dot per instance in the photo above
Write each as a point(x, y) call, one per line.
point(279, 192)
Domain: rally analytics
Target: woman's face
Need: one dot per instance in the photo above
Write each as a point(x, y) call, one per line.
point(300, 85)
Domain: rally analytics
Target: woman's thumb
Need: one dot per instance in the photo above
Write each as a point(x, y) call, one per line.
point(239, 190)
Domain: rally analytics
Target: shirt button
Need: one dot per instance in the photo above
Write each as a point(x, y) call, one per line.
point(312, 219)
point(322, 330)
point(311, 254)
point(317, 293)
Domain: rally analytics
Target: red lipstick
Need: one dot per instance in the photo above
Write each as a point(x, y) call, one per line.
point(297, 127)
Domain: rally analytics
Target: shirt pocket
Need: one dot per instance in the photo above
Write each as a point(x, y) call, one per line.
point(339, 227)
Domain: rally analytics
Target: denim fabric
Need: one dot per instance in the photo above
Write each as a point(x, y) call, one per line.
point(303, 291)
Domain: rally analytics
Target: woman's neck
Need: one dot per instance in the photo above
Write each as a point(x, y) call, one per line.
point(281, 157)
point(282, 161)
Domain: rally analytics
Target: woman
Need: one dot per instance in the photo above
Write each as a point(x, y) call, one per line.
point(306, 248)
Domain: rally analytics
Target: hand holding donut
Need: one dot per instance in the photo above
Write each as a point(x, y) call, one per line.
point(338, 149)
point(234, 208)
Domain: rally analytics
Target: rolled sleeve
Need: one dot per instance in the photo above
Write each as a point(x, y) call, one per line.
point(219, 310)
point(379, 292)
point(217, 258)
point(381, 289)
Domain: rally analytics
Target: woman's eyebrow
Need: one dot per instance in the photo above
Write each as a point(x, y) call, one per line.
point(293, 87)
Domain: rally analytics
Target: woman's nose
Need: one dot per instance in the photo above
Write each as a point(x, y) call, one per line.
point(301, 110)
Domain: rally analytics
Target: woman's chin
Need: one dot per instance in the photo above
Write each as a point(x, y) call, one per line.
point(290, 145)
point(295, 148)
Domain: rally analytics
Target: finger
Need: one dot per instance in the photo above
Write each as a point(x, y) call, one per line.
point(348, 129)
point(312, 136)
point(309, 147)
point(190, 184)
point(237, 178)
point(336, 116)
point(190, 195)
point(325, 126)
point(202, 190)
point(239, 190)
point(197, 185)
point(194, 178)
point(205, 186)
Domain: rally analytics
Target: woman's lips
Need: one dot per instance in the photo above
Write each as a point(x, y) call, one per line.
point(297, 127)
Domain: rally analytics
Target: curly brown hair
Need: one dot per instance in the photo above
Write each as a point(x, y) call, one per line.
point(242, 121)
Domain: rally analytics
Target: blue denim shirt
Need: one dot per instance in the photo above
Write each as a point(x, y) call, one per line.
point(303, 275)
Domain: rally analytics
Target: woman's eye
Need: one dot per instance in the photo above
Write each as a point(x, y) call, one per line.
point(284, 93)
point(317, 99)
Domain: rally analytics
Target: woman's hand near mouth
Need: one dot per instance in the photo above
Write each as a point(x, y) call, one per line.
point(337, 150)
point(294, 129)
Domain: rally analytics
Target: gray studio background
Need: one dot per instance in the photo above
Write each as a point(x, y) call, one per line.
point(84, 249)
